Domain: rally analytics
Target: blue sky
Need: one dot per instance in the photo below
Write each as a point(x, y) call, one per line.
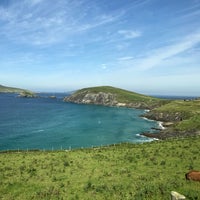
point(147, 46)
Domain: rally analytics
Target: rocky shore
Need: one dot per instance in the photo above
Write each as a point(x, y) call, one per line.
point(169, 122)
point(165, 134)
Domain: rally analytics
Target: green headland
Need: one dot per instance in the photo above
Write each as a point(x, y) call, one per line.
point(111, 96)
point(21, 92)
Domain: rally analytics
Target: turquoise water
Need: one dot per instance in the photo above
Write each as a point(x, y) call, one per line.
point(44, 123)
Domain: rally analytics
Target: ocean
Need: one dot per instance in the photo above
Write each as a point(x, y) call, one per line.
point(51, 124)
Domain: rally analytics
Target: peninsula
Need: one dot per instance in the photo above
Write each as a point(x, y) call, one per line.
point(21, 92)
point(180, 117)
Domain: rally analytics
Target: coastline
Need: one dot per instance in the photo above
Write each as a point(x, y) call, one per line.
point(154, 136)
point(161, 125)
point(163, 131)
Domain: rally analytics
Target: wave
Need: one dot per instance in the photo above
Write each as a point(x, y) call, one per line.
point(151, 120)
point(145, 139)
point(160, 125)
point(38, 131)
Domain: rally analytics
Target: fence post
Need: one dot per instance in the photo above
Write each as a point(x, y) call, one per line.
point(177, 196)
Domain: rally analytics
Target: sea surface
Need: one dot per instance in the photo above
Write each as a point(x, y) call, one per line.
point(46, 123)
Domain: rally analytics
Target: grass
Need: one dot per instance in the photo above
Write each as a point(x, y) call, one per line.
point(4, 89)
point(126, 171)
point(188, 108)
point(192, 124)
point(187, 111)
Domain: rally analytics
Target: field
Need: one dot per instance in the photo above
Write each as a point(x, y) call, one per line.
point(123, 171)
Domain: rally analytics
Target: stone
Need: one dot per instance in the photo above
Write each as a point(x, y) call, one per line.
point(177, 196)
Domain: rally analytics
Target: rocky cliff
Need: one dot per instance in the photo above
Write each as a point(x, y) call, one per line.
point(87, 97)
point(109, 96)
point(182, 118)
point(165, 116)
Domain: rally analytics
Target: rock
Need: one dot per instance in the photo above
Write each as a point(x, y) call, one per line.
point(167, 124)
point(164, 116)
point(100, 98)
point(177, 196)
point(121, 104)
point(25, 94)
point(52, 97)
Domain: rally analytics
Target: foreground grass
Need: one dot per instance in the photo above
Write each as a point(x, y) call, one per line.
point(126, 171)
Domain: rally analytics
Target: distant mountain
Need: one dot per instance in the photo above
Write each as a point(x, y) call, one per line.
point(111, 96)
point(21, 92)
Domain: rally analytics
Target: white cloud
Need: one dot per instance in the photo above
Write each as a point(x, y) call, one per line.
point(50, 22)
point(129, 34)
point(125, 58)
point(159, 55)
point(34, 2)
point(104, 66)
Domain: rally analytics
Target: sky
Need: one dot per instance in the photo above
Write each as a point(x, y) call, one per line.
point(146, 46)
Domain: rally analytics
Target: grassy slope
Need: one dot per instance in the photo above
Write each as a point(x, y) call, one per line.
point(127, 171)
point(125, 96)
point(12, 89)
point(190, 113)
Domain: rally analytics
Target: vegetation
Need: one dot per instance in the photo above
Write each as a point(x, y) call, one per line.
point(187, 108)
point(123, 171)
point(27, 94)
point(123, 96)
point(4, 89)
point(185, 116)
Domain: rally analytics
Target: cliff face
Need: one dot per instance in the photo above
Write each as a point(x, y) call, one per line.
point(86, 97)
point(103, 98)
point(165, 116)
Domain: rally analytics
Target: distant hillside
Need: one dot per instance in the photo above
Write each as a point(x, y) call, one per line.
point(6, 89)
point(111, 96)
point(22, 92)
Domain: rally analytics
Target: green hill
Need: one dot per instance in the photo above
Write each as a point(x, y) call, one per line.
point(111, 96)
point(21, 92)
point(4, 89)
